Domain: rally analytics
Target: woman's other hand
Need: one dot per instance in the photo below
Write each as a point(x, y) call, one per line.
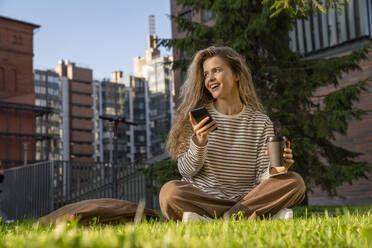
point(201, 131)
point(288, 156)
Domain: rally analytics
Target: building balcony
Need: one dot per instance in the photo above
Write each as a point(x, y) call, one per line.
point(82, 124)
point(81, 99)
point(81, 112)
point(77, 136)
point(79, 73)
point(82, 149)
point(81, 88)
point(83, 159)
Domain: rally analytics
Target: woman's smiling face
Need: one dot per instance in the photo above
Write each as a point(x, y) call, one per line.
point(219, 78)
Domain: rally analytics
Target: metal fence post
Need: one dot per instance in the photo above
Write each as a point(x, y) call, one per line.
point(51, 185)
point(115, 168)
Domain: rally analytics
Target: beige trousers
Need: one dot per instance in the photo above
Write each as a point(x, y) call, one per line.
point(272, 195)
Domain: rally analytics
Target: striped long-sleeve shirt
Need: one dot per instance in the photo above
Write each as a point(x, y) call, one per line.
point(233, 162)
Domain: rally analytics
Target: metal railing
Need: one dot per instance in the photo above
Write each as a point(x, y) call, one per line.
point(35, 190)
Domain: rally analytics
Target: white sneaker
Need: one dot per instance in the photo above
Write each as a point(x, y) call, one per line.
point(283, 214)
point(191, 216)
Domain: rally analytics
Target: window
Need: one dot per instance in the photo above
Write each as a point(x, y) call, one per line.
point(207, 15)
point(54, 79)
point(142, 149)
point(52, 91)
point(139, 84)
point(40, 90)
point(37, 77)
point(185, 15)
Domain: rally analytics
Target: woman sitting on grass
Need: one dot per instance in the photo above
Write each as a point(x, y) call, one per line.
point(227, 170)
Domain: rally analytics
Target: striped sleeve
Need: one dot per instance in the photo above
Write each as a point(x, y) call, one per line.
point(263, 161)
point(192, 161)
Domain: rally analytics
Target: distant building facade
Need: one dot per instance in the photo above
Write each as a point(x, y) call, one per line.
point(17, 98)
point(98, 131)
point(48, 93)
point(78, 111)
point(159, 93)
point(112, 100)
point(122, 98)
point(138, 134)
point(146, 98)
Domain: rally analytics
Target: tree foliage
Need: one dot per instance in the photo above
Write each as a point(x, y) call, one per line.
point(287, 84)
point(298, 8)
point(161, 172)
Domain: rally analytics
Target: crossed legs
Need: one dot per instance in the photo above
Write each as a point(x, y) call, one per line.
point(272, 195)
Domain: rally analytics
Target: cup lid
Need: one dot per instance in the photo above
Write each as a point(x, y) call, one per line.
point(277, 138)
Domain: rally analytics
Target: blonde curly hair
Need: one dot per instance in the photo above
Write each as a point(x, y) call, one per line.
point(194, 94)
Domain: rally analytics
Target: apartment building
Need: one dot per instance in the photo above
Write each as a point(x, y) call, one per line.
point(137, 112)
point(159, 92)
point(112, 101)
point(48, 93)
point(128, 98)
point(97, 103)
point(78, 111)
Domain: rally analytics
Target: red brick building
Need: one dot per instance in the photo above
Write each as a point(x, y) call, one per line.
point(17, 99)
point(359, 139)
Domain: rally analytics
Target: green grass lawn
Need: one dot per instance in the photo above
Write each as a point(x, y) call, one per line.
point(311, 227)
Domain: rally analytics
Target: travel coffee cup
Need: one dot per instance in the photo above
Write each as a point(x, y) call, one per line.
point(275, 147)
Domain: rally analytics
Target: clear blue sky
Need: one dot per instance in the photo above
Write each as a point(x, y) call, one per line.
point(104, 35)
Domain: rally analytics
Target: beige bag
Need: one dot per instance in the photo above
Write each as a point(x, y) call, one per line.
point(103, 211)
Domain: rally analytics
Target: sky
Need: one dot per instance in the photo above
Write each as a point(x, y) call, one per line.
point(103, 35)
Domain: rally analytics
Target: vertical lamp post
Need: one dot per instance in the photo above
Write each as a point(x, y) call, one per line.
point(113, 126)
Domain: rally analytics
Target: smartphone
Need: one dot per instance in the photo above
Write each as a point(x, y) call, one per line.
point(200, 113)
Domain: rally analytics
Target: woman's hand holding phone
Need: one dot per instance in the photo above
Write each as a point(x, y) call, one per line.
point(201, 130)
